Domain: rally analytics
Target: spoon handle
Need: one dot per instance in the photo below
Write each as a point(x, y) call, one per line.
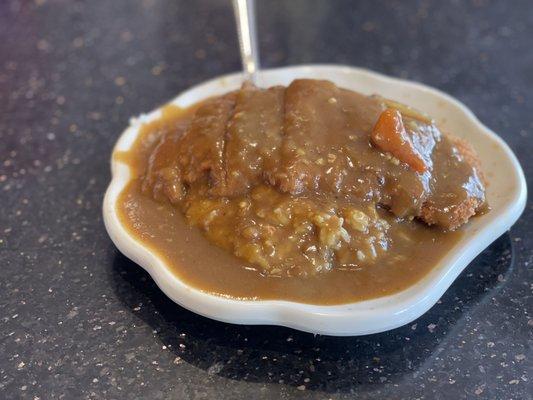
point(245, 18)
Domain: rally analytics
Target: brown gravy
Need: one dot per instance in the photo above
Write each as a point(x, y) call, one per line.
point(162, 227)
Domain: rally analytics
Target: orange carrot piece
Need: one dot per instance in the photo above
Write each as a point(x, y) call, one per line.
point(389, 135)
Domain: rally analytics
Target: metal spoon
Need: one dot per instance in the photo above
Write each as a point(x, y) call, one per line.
point(245, 18)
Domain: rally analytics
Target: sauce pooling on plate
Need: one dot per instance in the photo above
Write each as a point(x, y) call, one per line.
point(310, 193)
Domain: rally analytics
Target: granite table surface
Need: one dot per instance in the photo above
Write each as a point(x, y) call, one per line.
point(79, 320)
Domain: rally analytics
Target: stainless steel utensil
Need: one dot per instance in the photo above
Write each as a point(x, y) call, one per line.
point(246, 29)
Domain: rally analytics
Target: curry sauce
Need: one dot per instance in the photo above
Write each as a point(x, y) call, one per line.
point(308, 193)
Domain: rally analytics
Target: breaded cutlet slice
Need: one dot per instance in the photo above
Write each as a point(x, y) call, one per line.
point(470, 206)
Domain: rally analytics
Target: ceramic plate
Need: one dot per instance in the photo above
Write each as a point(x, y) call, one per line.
point(506, 194)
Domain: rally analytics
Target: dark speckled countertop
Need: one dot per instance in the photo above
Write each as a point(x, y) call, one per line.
point(78, 320)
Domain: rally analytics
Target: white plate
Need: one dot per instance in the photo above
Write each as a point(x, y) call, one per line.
point(506, 194)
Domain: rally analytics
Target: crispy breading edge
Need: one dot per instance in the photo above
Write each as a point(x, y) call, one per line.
point(469, 207)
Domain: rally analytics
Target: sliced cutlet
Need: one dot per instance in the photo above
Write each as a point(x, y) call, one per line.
point(201, 149)
point(253, 137)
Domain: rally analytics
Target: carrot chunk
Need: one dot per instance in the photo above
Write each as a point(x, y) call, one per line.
point(389, 135)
